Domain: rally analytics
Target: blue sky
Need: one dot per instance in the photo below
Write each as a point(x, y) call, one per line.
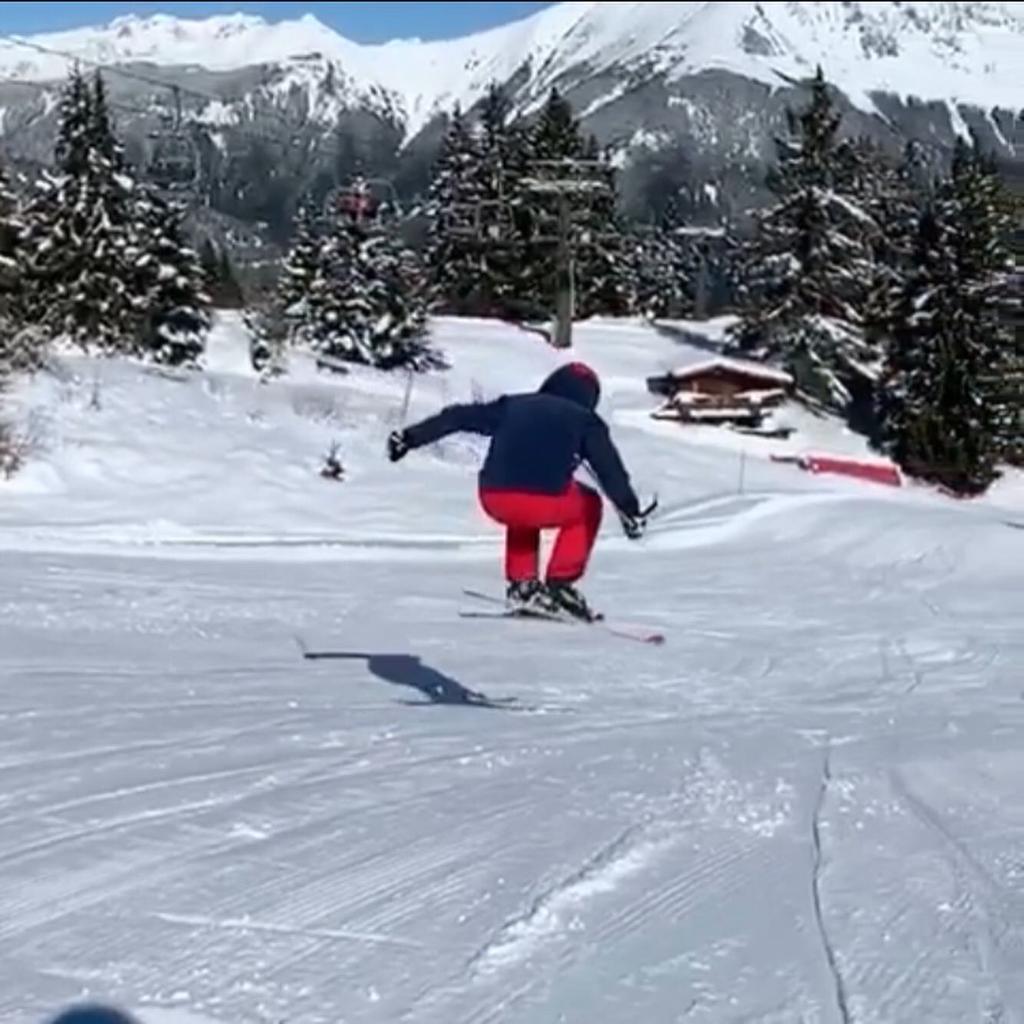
point(364, 22)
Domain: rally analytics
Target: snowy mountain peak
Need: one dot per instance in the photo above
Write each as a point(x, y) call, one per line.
point(220, 43)
point(962, 52)
point(706, 78)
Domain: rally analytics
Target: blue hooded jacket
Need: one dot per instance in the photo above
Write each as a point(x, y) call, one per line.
point(539, 438)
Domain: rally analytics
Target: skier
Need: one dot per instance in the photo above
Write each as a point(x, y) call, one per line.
point(527, 481)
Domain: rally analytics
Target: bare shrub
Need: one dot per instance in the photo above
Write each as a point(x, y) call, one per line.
point(332, 468)
point(18, 445)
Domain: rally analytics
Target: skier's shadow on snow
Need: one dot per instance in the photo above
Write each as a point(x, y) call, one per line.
point(409, 671)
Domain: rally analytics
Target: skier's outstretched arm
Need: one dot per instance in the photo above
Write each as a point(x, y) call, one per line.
point(472, 418)
point(603, 457)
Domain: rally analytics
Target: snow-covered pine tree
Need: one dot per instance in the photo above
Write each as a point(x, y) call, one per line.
point(557, 134)
point(1012, 311)
point(986, 261)
point(604, 284)
point(9, 224)
point(368, 302)
point(76, 129)
point(22, 346)
point(300, 265)
point(502, 152)
point(9, 273)
point(662, 268)
point(398, 298)
point(10, 232)
point(936, 422)
point(80, 231)
point(269, 336)
point(602, 257)
point(170, 283)
point(285, 315)
point(454, 250)
point(474, 250)
point(945, 410)
point(807, 272)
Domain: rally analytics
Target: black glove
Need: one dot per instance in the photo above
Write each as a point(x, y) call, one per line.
point(398, 445)
point(635, 526)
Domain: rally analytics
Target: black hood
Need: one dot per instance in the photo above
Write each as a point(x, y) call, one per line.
point(576, 382)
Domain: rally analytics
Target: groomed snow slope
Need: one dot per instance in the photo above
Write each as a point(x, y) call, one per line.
point(805, 807)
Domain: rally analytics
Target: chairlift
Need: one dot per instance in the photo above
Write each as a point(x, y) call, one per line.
point(495, 221)
point(488, 221)
point(172, 161)
point(364, 199)
point(384, 195)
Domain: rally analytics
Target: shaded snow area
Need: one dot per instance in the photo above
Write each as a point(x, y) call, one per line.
point(805, 806)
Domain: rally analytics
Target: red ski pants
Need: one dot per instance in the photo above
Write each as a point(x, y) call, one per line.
point(576, 514)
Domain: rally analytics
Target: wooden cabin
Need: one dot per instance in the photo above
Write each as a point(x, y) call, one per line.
point(720, 391)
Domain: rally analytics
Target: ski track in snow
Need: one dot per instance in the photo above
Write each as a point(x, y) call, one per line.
point(804, 807)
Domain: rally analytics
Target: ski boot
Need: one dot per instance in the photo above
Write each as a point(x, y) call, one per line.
point(524, 596)
point(564, 598)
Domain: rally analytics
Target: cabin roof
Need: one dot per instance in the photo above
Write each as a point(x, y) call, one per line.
point(755, 371)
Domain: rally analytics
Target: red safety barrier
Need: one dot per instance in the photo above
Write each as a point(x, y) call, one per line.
point(875, 472)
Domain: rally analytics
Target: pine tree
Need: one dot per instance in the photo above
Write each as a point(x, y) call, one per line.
point(270, 334)
point(557, 134)
point(10, 231)
point(9, 274)
point(555, 148)
point(171, 283)
point(75, 133)
point(300, 265)
point(80, 243)
point(808, 272)
point(453, 250)
point(105, 261)
point(603, 284)
point(985, 261)
point(472, 254)
point(297, 309)
point(501, 163)
point(656, 290)
point(368, 301)
point(944, 414)
point(936, 423)
point(22, 346)
point(662, 269)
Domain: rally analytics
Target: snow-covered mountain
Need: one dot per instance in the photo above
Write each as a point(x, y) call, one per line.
point(967, 53)
point(711, 77)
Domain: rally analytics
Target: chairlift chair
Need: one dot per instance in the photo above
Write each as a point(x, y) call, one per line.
point(173, 162)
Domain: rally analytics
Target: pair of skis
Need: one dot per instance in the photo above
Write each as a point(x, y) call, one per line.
point(625, 631)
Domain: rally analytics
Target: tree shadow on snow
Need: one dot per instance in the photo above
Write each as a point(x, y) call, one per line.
point(692, 339)
point(409, 671)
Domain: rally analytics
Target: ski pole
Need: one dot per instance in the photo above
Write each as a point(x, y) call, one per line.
point(403, 414)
